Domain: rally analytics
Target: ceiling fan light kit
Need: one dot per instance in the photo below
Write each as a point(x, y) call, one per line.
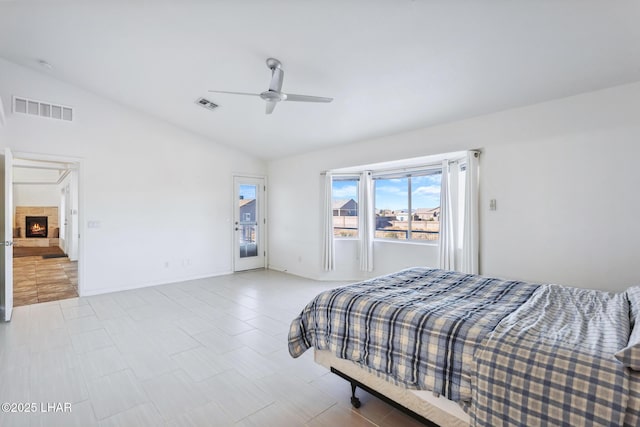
point(274, 94)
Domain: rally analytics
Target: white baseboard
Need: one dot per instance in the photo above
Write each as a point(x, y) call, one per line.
point(149, 284)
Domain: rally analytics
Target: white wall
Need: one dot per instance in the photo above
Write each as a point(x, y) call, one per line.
point(567, 213)
point(146, 183)
point(36, 195)
point(562, 172)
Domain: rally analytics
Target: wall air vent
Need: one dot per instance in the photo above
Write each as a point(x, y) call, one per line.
point(206, 104)
point(42, 109)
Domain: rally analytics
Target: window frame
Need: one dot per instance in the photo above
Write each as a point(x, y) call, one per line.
point(408, 173)
point(348, 177)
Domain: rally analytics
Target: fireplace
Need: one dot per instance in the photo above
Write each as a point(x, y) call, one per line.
point(36, 226)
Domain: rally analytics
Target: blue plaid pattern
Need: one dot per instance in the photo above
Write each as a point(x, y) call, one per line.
point(418, 327)
point(551, 363)
point(632, 416)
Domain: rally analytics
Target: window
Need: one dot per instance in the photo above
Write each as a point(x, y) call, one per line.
point(406, 199)
point(344, 192)
point(407, 205)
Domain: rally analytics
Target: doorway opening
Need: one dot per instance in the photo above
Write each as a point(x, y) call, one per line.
point(45, 230)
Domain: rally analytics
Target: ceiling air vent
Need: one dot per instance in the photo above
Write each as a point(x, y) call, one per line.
point(206, 104)
point(42, 109)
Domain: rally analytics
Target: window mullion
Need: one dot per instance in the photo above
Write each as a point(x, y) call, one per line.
point(410, 216)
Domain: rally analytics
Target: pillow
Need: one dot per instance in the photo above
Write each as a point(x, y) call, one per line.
point(630, 355)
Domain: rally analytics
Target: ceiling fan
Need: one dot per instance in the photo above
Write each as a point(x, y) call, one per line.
point(275, 94)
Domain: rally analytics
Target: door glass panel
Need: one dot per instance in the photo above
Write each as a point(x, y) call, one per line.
point(248, 224)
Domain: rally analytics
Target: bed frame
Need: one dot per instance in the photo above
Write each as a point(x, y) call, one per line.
point(420, 405)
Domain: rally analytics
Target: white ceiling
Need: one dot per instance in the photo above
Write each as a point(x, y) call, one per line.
point(390, 65)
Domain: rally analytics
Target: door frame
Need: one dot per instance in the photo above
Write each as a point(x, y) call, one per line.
point(262, 208)
point(6, 308)
point(81, 208)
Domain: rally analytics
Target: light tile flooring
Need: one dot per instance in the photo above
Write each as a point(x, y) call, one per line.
point(36, 279)
point(210, 352)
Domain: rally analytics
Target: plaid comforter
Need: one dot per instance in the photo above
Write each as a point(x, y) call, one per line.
point(551, 363)
point(418, 327)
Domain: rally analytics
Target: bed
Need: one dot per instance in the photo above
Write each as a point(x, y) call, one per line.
point(459, 349)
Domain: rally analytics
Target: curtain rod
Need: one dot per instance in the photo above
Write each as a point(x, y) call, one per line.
point(323, 173)
point(476, 154)
point(430, 166)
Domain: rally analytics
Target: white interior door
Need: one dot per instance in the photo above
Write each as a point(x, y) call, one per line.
point(6, 237)
point(249, 223)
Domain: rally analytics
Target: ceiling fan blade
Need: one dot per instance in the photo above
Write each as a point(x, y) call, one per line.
point(235, 93)
point(307, 98)
point(277, 75)
point(271, 105)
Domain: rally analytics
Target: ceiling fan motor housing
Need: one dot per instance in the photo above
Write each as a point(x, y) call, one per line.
point(273, 96)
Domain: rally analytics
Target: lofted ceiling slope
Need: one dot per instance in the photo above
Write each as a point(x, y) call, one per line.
point(391, 66)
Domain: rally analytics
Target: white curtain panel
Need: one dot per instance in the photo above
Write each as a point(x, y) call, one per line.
point(367, 221)
point(470, 236)
point(447, 248)
point(328, 246)
point(2, 118)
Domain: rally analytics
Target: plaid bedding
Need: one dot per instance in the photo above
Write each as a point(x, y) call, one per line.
point(632, 416)
point(551, 363)
point(418, 327)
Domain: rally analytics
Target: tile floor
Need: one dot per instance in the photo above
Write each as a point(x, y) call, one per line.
point(40, 280)
point(211, 352)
